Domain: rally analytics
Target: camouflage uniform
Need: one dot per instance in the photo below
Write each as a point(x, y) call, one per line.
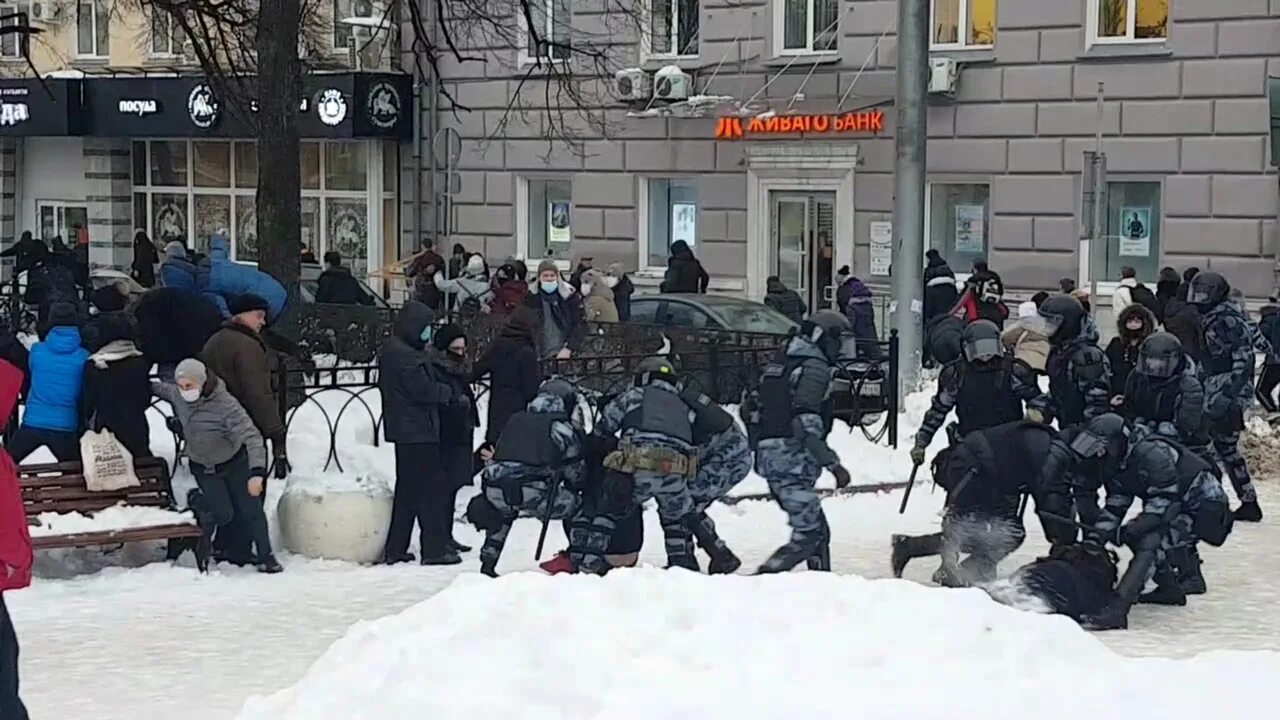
point(1228, 385)
point(1079, 378)
point(722, 463)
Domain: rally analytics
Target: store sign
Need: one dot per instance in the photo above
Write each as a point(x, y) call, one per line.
point(202, 107)
point(138, 107)
point(734, 128)
point(331, 107)
point(383, 105)
point(14, 113)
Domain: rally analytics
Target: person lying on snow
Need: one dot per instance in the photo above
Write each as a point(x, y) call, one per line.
point(1074, 580)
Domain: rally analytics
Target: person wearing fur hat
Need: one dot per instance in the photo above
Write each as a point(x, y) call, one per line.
point(226, 456)
point(1134, 324)
point(57, 374)
point(559, 310)
point(117, 386)
point(458, 422)
point(597, 298)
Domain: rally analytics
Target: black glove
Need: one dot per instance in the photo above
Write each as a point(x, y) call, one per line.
point(282, 467)
point(842, 475)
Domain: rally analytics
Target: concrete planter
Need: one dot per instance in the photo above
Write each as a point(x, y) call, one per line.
point(319, 520)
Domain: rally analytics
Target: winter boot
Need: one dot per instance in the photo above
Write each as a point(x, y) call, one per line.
point(821, 560)
point(405, 557)
point(270, 565)
point(786, 557)
point(1189, 576)
point(1249, 512)
point(907, 547)
point(1115, 616)
point(725, 563)
point(558, 564)
point(1167, 592)
point(448, 557)
point(458, 547)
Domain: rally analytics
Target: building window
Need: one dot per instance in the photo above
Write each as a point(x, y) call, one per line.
point(672, 215)
point(550, 218)
point(92, 19)
point(342, 32)
point(963, 23)
point(166, 34)
point(1112, 21)
point(9, 45)
point(548, 38)
point(1133, 231)
point(807, 26)
point(672, 28)
point(959, 216)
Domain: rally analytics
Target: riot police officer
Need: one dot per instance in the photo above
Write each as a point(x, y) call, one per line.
point(1071, 479)
point(1079, 377)
point(1164, 391)
point(986, 387)
point(724, 459)
point(1228, 381)
point(792, 416)
point(655, 459)
point(985, 477)
point(538, 459)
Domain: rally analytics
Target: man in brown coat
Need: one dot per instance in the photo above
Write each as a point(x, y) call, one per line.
point(238, 355)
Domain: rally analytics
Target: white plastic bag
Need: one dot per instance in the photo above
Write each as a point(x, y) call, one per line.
point(108, 465)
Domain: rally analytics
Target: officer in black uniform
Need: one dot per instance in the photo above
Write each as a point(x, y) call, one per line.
point(985, 477)
point(1164, 392)
point(985, 386)
point(1071, 480)
point(1079, 375)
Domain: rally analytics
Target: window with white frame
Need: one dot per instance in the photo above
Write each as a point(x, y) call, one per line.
point(547, 37)
point(342, 32)
point(166, 34)
point(672, 29)
point(959, 222)
point(550, 222)
point(962, 23)
point(92, 21)
point(9, 45)
point(806, 26)
point(671, 214)
point(1120, 21)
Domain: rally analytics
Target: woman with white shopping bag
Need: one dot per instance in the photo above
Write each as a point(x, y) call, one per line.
point(117, 387)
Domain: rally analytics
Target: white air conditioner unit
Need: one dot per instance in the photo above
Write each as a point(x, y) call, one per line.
point(672, 83)
point(633, 84)
point(45, 12)
point(943, 74)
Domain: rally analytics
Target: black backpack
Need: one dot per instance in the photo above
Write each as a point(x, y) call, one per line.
point(1142, 295)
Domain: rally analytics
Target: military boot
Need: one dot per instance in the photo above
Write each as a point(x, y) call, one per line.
point(786, 557)
point(821, 560)
point(908, 547)
point(1189, 576)
point(1249, 512)
point(723, 561)
point(1167, 592)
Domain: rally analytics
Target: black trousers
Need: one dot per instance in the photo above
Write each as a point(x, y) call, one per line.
point(423, 494)
point(65, 445)
point(11, 707)
point(226, 495)
point(1267, 383)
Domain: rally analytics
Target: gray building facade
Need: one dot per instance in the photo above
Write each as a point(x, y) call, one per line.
point(1185, 122)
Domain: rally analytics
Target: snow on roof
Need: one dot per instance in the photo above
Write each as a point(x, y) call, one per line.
point(120, 517)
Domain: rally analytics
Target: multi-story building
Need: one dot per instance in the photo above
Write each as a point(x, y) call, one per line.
point(112, 129)
point(1184, 119)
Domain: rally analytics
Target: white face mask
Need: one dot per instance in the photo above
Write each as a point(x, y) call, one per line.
point(610, 282)
point(191, 395)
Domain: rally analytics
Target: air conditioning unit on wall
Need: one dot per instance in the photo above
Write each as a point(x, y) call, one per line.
point(943, 74)
point(672, 83)
point(633, 84)
point(45, 12)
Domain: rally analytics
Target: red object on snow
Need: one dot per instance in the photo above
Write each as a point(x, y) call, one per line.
point(558, 564)
point(15, 539)
point(10, 385)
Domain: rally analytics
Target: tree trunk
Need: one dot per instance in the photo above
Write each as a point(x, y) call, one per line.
point(279, 94)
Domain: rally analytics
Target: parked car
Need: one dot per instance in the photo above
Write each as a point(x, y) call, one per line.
point(714, 312)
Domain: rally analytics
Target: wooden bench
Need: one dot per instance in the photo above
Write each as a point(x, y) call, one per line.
point(60, 488)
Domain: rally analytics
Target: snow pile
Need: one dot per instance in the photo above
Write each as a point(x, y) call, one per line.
point(1260, 446)
point(119, 517)
point(651, 644)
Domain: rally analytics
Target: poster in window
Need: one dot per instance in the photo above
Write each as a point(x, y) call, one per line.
point(558, 223)
point(970, 229)
point(684, 223)
point(881, 247)
point(1135, 232)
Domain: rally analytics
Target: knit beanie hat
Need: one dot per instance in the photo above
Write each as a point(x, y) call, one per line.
point(175, 249)
point(192, 369)
point(446, 335)
point(247, 302)
point(548, 264)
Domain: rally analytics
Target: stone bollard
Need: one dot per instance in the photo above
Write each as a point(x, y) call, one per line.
point(320, 518)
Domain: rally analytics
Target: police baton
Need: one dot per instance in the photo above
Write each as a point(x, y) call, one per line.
point(906, 494)
point(1087, 529)
point(546, 515)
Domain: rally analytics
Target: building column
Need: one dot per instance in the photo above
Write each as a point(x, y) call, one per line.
point(8, 190)
point(108, 171)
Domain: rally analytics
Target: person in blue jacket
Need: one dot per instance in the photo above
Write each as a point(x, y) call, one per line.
point(220, 279)
point(57, 371)
point(177, 270)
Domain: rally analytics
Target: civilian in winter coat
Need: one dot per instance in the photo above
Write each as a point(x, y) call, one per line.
point(785, 300)
point(117, 387)
point(57, 374)
point(238, 355)
point(23, 252)
point(559, 310)
point(940, 293)
point(863, 318)
point(509, 290)
point(174, 324)
point(338, 286)
point(457, 259)
point(109, 301)
point(1122, 297)
point(221, 279)
point(1026, 338)
point(1269, 325)
point(511, 362)
point(145, 257)
point(16, 560)
point(226, 455)
point(15, 353)
point(422, 270)
point(458, 422)
point(598, 298)
point(470, 292)
point(413, 394)
point(620, 284)
point(1134, 324)
point(684, 272)
point(177, 270)
point(1182, 319)
point(1166, 290)
point(575, 277)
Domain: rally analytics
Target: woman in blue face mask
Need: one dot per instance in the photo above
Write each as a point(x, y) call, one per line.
point(559, 308)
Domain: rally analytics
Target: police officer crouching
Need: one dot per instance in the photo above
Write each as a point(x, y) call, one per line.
point(791, 417)
point(538, 459)
point(985, 477)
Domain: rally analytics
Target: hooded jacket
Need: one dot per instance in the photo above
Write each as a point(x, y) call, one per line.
point(598, 303)
point(57, 376)
point(511, 362)
point(215, 426)
point(1183, 320)
point(559, 318)
point(239, 356)
point(1122, 351)
point(472, 284)
point(859, 311)
point(145, 258)
point(177, 271)
point(338, 286)
point(1027, 343)
point(117, 389)
point(940, 293)
point(785, 300)
point(219, 279)
point(411, 390)
point(684, 272)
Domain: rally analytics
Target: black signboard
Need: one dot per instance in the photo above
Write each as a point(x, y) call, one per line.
point(31, 108)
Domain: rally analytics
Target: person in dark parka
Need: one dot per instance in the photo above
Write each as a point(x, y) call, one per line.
point(238, 355)
point(511, 362)
point(684, 272)
point(174, 324)
point(785, 300)
point(1077, 581)
point(23, 252)
point(413, 394)
point(1134, 324)
point(145, 259)
point(458, 422)
point(337, 285)
point(622, 288)
point(110, 302)
point(940, 293)
point(1183, 319)
point(117, 386)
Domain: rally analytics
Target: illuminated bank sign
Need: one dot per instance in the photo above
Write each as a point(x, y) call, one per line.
point(863, 121)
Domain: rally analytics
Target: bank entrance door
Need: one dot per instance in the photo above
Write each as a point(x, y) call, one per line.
point(804, 231)
point(64, 220)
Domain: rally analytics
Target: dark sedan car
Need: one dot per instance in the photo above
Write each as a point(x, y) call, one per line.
point(715, 312)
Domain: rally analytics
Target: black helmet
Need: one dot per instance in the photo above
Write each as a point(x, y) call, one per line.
point(1102, 436)
point(1160, 356)
point(981, 341)
point(1063, 318)
point(654, 367)
point(563, 389)
point(1208, 289)
point(832, 333)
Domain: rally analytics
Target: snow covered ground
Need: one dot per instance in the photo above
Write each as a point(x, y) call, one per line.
point(162, 641)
